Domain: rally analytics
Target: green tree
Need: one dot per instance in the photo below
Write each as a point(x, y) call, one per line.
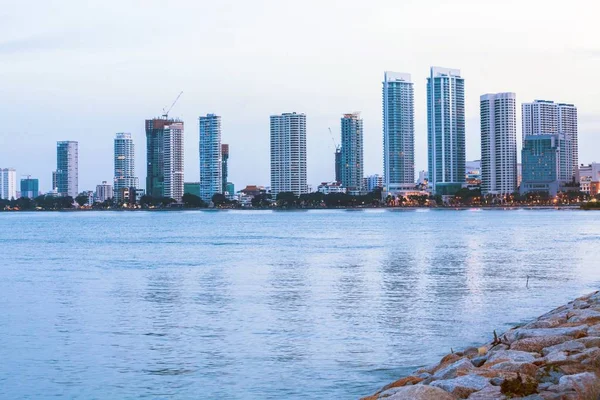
point(192, 201)
point(82, 199)
point(286, 199)
point(219, 199)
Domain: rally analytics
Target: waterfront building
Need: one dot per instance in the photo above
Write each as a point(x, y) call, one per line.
point(589, 176)
point(288, 154)
point(191, 188)
point(519, 174)
point(331, 187)
point(224, 163)
point(164, 158)
point(30, 187)
point(230, 189)
point(373, 182)
point(67, 168)
point(446, 130)
point(8, 183)
point(54, 182)
point(498, 143)
point(352, 152)
point(398, 132)
point(544, 117)
point(124, 165)
point(473, 174)
point(211, 161)
point(423, 178)
point(338, 164)
point(546, 161)
point(104, 192)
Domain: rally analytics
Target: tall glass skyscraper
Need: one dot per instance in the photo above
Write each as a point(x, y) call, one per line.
point(124, 165)
point(398, 133)
point(164, 158)
point(288, 154)
point(30, 187)
point(498, 143)
point(211, 157)
point(352, 152)
point(67, 168)
point(446, 130)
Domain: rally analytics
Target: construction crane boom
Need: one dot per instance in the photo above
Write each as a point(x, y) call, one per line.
point(333, 139)
point(166, 113)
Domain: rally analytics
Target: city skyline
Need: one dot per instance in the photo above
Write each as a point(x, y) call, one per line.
point(80, 56)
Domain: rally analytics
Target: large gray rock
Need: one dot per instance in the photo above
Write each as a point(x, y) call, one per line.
point(584, 315)
point(421, 392)
point(584, 383)
point(590, 341)
point(451, 371)
point(463, 386)
point(510, 355)
point(517, 334)
point(594, 330)
point(488, 393)
point(536, 344)
point(570, 346)
point(520, 367)
point(556, 357)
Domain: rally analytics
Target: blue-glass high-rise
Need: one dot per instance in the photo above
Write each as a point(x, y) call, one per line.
point(446, 130)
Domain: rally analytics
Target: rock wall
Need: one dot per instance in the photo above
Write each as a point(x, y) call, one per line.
point(556, 357)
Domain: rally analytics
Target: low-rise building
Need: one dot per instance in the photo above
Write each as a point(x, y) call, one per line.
point(373, 182)
point(331, 187)
point(589, 176)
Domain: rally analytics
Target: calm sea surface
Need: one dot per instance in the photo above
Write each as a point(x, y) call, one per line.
point(269, 305)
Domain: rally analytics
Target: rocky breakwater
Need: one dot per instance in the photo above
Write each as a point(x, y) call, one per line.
point(556, 357)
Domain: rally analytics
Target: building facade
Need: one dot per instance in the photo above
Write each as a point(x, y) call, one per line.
point(224, 168)
point(30, 188)
point(67, 168)
point(331, 187)
point(124, 164)
point(446, 130)
point(544, 117)
point(164, 158)
point(191, 188)
point(352, 152)
point(589, 176)
point(373, 182)
point(498, 143)
point(545, 160)
point(398, 132)
point(338, 164)
point(288, 154)
point(211, 159)
point(8, 184)
point(104, 192)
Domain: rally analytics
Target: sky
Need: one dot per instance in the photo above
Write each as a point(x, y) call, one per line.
point(85, 70)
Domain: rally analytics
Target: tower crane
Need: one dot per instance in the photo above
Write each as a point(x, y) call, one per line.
point(166, 112)
point(333, 140)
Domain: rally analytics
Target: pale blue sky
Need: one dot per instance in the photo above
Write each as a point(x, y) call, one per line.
point(84, 70)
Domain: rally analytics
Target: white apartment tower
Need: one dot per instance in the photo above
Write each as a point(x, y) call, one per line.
point(67, 168)
point(543, 117)
point(498, 143)
point(8, 184)
point(211, 157)
point(288, 154)
point(173, 160)
point(124, 165)
point(398, 132)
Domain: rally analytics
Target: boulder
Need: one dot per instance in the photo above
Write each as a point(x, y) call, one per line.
point(589, 341)
point(488, 393)
point(522, 333)
point(510, 355)
point(570, 346)
point(409, 380)
point(536, 344)
point(462, 386)
point(584, 315)
point(584, 383)
point(452, 370)
point(420, 392)
point(479, 361)
point(556, 357)
point(520, 367)
point(594, 330)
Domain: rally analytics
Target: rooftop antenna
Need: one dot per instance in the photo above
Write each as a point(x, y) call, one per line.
point(166, 112)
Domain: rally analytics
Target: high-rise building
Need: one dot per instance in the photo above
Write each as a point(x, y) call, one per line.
point(338, 164)
point(67, 168)
point(164, 158)
point(211, 159)
point(446, 130)
point(8, 184)
point(373, 182)
point(498, 143)
point(54, 182)
point(30, 187)
point(191, 188)
point(288, 154)
point(352, 152)
point(544, 117)
point(398, 132)
point(224, 169)
point(546, 163)
point(124, 165)
point(104, 192)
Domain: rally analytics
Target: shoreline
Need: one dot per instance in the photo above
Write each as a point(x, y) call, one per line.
point(554, 357)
